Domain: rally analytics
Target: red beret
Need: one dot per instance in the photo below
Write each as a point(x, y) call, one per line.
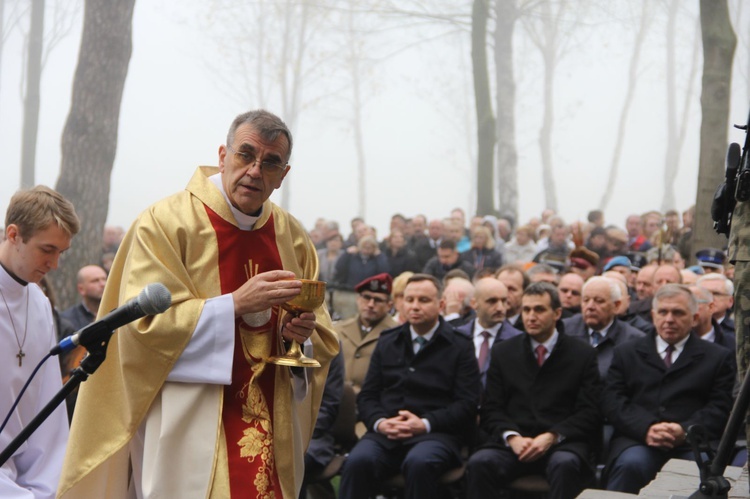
point(380, 283)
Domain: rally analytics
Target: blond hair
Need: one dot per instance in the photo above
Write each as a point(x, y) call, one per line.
point(36, 209)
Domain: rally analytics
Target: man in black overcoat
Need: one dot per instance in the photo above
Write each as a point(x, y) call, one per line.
point(418, 401)
point(660, 385)
point(541, 406)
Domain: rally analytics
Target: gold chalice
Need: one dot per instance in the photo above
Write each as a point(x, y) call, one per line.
point(312, 296)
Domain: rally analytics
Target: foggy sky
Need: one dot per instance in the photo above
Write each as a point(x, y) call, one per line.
point(418, 124)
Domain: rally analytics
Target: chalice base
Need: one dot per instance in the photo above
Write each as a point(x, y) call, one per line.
point(291, 360)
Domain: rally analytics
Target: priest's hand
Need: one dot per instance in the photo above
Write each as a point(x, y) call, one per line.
point(298, 328)
point(264, 290)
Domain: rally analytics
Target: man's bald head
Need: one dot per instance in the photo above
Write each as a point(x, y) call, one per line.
point(490, 302)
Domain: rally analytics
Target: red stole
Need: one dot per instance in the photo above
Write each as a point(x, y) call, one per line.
point(248, 402)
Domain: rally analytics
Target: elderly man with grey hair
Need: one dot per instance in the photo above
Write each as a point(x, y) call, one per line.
point(723, 291)
point(597, 324)
point(707, 327)
point(660, 385)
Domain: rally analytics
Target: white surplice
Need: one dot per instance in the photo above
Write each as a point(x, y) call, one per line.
point(34, 469)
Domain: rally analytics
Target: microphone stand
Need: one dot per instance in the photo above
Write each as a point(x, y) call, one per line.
point(713, 483)
point(97, 353)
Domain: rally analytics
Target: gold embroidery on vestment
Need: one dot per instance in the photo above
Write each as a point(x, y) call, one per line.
point(257, 440)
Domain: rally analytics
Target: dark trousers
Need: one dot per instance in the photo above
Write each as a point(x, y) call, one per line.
point(369, 464)
point(489, 471)
point(636, 466)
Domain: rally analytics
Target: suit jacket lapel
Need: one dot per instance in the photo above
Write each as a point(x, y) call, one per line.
point(528, 360)
point(691, 353)
point(647, 350)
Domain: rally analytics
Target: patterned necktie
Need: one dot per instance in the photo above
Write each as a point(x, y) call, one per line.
point(668, 356)
point(596, 338)
point(484, 351)
point(420, 343)
point(541, 351)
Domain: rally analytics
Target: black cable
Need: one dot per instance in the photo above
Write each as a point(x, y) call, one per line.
point(28, 382)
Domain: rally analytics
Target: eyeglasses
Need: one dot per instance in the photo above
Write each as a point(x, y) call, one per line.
point(248, 160)
point(378, 300)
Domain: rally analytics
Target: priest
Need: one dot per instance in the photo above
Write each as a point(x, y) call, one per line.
point(186, 404)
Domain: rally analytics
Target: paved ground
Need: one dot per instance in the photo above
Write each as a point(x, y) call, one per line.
point(678, 479)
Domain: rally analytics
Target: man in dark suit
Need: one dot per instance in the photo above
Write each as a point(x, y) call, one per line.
point(597, 324)
point(723, 291)
point(426, 247)
point(634, 320)
point(447, 259)
point(322, 449)
point(707, 328)
point(660, 385)
point(570, 287)
point(418, 402)
point(541, 406)
point(490, 327)
point(644, 292)
point(516, 281)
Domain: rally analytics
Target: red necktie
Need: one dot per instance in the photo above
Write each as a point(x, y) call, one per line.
point(668, 356)
point(541, 351)
point(484, 351)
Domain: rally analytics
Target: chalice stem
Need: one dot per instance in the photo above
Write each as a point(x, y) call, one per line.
point(311, 297)
point(294, 351)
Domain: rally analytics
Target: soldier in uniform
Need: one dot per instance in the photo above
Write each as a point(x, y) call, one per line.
point(360, 333)
point(739, 255)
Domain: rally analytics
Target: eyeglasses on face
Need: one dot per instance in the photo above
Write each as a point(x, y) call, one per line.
point(248, 160)
point(377, 299)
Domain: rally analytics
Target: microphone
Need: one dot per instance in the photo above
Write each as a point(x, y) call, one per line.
point(153, 299)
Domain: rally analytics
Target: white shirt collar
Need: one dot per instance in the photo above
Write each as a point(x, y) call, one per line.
point(710, 335)
point(661, 347)
point(604, 330)
point(494, 330)
point(427, 336)
point(549, 344)
point(244, 221)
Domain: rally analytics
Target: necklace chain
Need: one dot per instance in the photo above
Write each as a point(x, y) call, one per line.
point(19, 342)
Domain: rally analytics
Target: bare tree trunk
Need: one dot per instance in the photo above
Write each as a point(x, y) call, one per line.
point(89, 140)
point(506, 15)
point(549, 56)
point(625, 111)
point(32, 98)
point(295, 40)
point(485, 118)
point(353, 65)
point(719, 42)
point(670, 165)
point(545, 133)
point(676, 134)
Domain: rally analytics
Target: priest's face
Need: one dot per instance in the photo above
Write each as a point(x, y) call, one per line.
point(31, 259)
point(252, 168)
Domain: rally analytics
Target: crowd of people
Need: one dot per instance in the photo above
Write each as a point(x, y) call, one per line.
point(635, 348)
point(579, 352)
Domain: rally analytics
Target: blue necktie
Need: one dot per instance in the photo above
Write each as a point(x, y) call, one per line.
point(420, 343)
point(596, 338)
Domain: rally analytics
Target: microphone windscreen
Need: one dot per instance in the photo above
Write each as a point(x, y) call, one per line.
point(154, 299)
